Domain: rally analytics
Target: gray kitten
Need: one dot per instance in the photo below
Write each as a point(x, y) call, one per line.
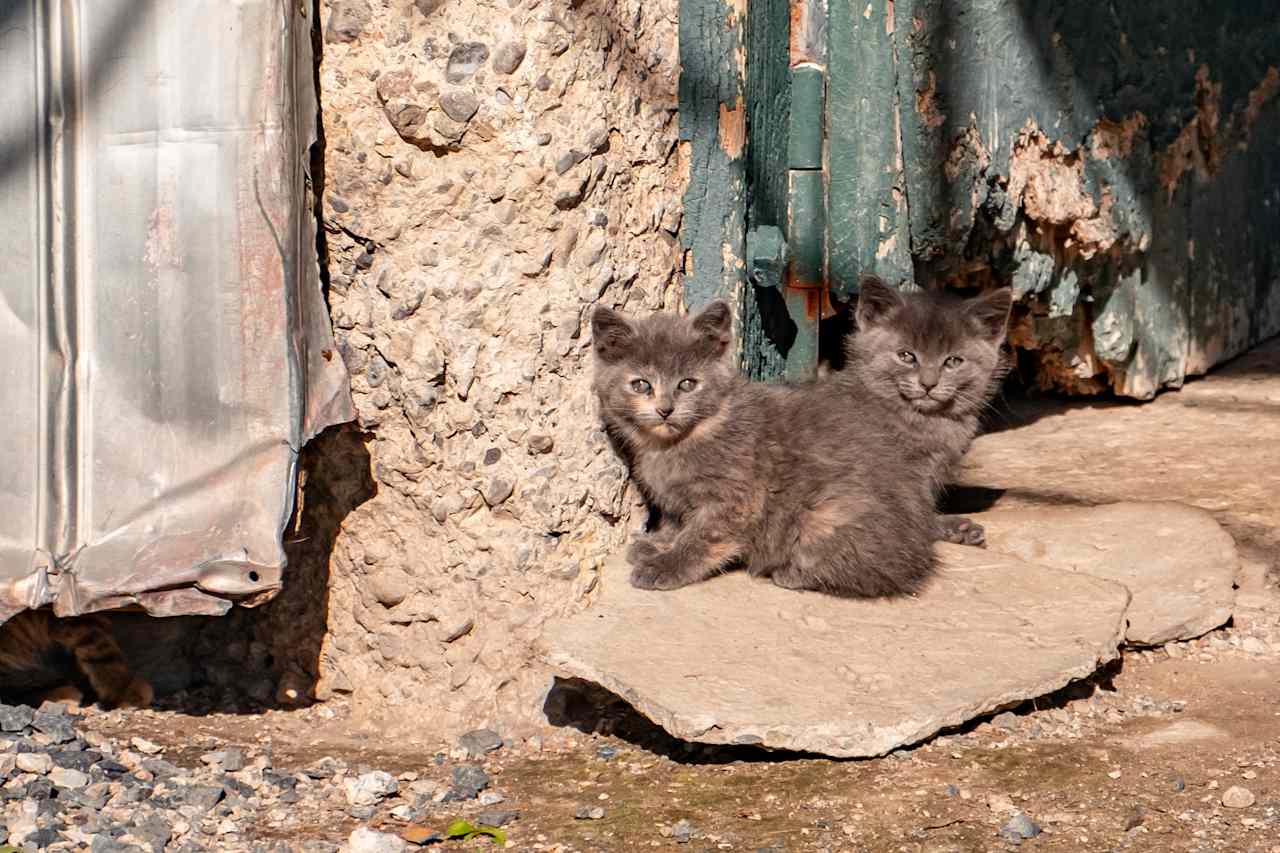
point(932, 362)
point(828, 486)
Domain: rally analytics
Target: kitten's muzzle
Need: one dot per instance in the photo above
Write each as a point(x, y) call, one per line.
point(921, 397)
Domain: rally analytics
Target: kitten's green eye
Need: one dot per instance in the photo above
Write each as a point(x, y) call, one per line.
point(953, 362)
point(640, 386)
point(906, 356)
point(687, 384)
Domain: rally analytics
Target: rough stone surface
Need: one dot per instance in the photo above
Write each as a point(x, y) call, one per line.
point(737, 660)
point(347, 19)
point(459, 104)
point(468, 781)
point(15, 718)
point(480, 742)
point(460, 295)
point(365, 840)
point(368, 789)
point(1177, 562)
point(66, 778)
point(1202, 445)
point(1019, 827)
point(465, 60)
point(1237, 797)
point(509, 55)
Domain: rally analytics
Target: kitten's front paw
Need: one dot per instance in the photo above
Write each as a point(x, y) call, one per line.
point(959, 530)
point(642, 551)
point(653, 576)
point(68, 695)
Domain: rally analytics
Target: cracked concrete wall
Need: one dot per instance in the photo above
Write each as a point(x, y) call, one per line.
point(491, 170)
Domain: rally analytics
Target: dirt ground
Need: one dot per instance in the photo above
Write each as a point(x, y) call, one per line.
point(1140, 758)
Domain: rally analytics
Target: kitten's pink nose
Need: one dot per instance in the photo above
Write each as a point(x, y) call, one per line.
point(665, 409)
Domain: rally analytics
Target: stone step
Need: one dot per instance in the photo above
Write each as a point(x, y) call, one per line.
point(737, 660)
point(1176, 560)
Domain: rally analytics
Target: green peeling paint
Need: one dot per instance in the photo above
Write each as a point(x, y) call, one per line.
point(1119, 166)
point(867, 200)
point(712, 123)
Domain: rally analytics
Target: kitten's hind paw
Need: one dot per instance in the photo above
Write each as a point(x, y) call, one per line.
point(959, 530)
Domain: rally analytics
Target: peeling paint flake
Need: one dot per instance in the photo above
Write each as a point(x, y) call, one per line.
point(729, 259)
point(1196, 145)
point(967, 152)
point(733, 129)
point(1258, 98)
point(927, 103)
point(737, 13)
point(886, 247)
point(1048, 179)
point(1110, 139)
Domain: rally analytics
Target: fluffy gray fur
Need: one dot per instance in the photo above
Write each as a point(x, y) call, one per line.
point(931, 362)
point(827, 486)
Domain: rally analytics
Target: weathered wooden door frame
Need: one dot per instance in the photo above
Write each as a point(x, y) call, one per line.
point(752, 111)
point(1118, 172)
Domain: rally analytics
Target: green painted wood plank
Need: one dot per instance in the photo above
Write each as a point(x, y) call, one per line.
point(1264, 217)
point(868, 227)
point(1160, 321)
point(766, 328)
point(920, 116)
point(713, 124)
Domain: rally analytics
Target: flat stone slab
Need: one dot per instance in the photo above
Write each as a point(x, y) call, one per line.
point(1175, 559)
point(737, 660)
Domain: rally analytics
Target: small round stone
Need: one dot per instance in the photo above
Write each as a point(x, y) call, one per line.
point(1020, 826)
point(459, 104)
point(1237, 797)
point(508, 56)
point(465, 60)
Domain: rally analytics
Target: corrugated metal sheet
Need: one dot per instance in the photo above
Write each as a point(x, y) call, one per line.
point(166, 349)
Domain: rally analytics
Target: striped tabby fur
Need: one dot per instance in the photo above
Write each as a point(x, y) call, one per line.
point(44, 657)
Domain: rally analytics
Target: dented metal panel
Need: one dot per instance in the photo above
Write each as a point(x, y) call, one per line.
point(167, 349)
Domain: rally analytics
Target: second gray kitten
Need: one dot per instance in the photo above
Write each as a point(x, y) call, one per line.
point(824, 486)
point(930, 362)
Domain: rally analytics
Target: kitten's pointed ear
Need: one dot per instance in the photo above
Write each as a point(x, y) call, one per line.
point(715, 324)
point(875, 301)
point(991, 312)
point(611, 334)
